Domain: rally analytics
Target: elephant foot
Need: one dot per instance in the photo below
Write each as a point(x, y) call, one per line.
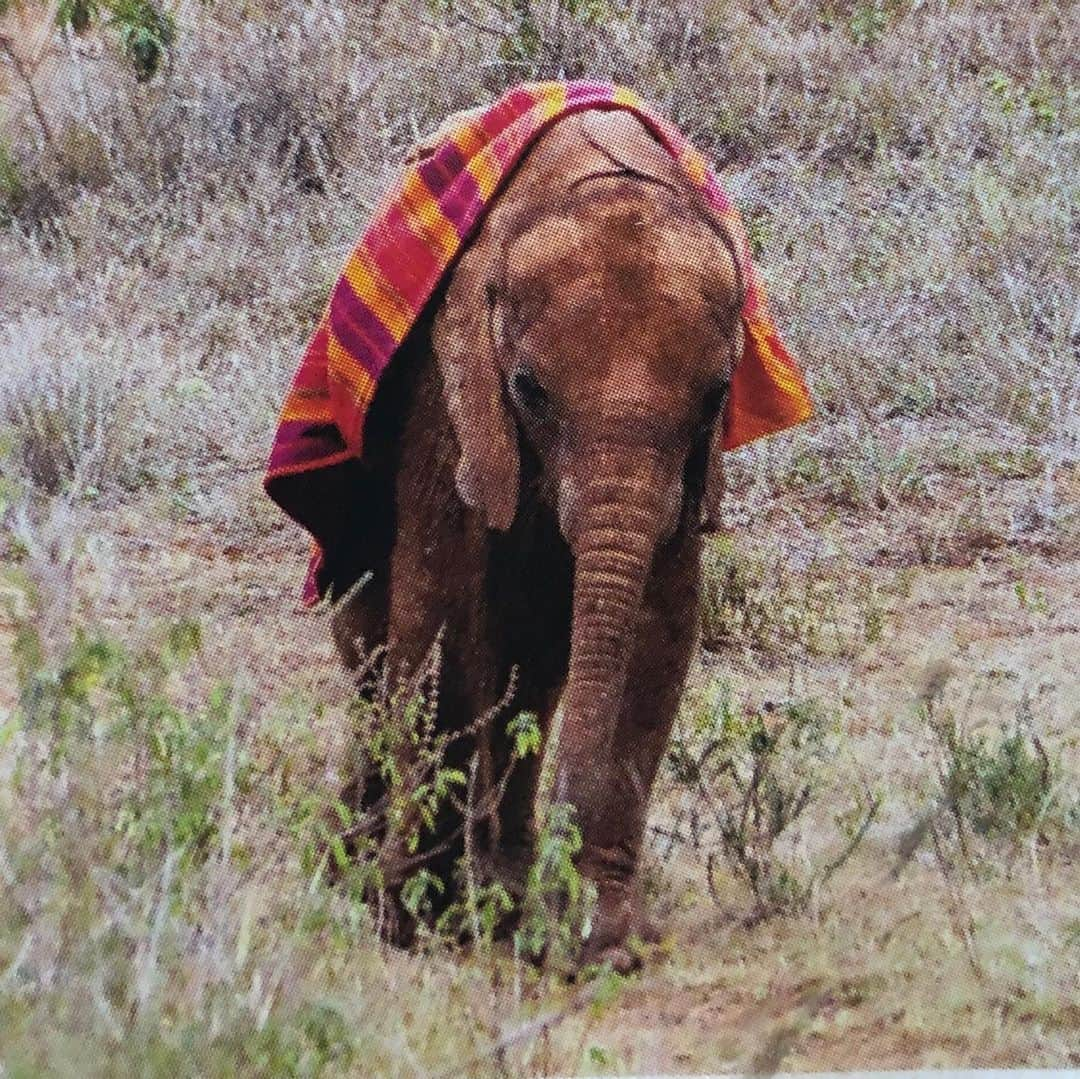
point(621, 927)
point(610, 942)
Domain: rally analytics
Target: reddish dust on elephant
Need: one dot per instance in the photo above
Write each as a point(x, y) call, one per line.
point(539, 463)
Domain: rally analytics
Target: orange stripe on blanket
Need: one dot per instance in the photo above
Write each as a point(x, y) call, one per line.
point(305, 406)
point(347, 372)
point(552, 102)
point(391, 308)
point(486, 170)
point(695, 165)
point(469, 138)
point(783, 373)
point(426, 219)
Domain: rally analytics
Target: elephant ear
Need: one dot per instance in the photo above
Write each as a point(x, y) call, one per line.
point(713, 493)
point(487, 472)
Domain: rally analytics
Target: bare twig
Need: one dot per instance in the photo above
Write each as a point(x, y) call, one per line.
point(470, 855)
point(963, 922)
point(826, 871)
point(35, 102)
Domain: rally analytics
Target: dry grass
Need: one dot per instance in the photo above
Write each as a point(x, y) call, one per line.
point(909, 173)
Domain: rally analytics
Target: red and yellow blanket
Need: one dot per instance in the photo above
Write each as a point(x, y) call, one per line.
point(413, 239)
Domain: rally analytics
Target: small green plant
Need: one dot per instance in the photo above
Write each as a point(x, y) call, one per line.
point(736, 601)
point(1041, 99)
point(1031, 599)
point(752, 598)
point(873, 622)
point(418, 892)
point(182, 759)
point(78, 14)
point(408, 806)
point(875, 475)
point(807, 468)
point(524, 39)
point(146, 34)
point(524, 729)
point(559, 903)
point(1001, 87)
point(868, 23)
point(759, 231)
point(477, 913)
point(191, 759)
point(601, 1060)
point(1044, 107)
point(917, 399)
point(750, 778)
point(1001, 786)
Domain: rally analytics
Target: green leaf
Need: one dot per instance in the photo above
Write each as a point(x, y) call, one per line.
point(524, 729)
point(416, 889)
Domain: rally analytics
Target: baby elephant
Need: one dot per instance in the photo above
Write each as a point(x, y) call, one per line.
point(540, 463)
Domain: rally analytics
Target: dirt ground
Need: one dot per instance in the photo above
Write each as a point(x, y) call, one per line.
point(877, 971)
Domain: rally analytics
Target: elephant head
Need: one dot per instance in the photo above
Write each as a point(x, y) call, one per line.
point(595, 322)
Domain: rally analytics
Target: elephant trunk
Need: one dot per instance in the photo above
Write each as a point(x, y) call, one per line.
point(614, 543)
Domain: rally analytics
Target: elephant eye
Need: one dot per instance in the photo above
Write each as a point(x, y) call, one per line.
point(528, 392)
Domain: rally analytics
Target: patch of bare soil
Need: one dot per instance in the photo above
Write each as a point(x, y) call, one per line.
point(874, 974)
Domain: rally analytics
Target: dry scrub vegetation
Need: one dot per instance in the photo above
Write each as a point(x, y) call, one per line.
point(866, 849)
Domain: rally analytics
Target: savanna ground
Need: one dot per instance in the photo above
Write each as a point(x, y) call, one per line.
point(891, 626)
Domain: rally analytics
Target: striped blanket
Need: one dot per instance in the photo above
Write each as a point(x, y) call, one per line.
point(413, 239)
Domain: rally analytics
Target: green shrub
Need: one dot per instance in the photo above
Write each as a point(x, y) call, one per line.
point(146, 34)
point(737, 603)
point(1001, 785)
point(78, 14)
point(868, 22)
point(753, 598)
point(750, 778)
point(559, 903)
point(125, 821)
point(182, 760)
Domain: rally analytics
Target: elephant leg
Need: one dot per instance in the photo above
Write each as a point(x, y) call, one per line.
point(359, 620)
point(358, 626)
point(613, 828)
point(436, 574)
point(421, 620)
